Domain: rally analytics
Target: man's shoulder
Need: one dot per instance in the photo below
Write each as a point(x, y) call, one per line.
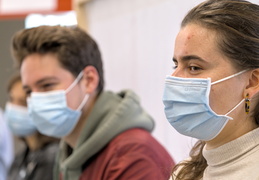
point(134, 135)
point(137, 140)
point(131, 151)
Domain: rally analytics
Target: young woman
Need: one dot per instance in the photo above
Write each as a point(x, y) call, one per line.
point(37, 160)
point(213, 93)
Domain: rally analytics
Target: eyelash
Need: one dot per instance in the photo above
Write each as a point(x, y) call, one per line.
point(189, 67)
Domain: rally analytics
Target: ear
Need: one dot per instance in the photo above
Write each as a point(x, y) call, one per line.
point(90, 79)
point(252, 87)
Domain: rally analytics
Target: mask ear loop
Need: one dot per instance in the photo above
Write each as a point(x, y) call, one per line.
point(234, 108)
point(226, 78)
point(80, 75)
point(83, 103)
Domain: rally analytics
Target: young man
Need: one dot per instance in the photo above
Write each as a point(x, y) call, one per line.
point(104, 135)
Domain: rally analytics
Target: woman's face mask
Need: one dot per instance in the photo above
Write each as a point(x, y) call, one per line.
point(186, 106)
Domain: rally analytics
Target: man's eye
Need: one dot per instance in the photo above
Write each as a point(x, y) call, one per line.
point(47, 86)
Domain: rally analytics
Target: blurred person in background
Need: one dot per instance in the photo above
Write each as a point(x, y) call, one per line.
point(37, 160)
point(6, 148)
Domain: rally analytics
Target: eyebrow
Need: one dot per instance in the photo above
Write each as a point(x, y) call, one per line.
point(41, 81)
point(190, 57)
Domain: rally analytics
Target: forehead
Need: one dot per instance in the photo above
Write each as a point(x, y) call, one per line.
point(39, 60)
point(36, 67)
point(196, 40)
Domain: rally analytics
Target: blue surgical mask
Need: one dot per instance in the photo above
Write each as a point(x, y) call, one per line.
point(187, 108)
point(50, 113)
point(18, 120)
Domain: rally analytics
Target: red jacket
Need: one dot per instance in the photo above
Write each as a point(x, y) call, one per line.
point(132, 155)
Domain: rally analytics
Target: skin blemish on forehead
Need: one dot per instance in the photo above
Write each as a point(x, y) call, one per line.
point(189, 38)
point(190, 35)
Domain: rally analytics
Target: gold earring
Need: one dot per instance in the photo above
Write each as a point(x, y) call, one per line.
point(247, 104)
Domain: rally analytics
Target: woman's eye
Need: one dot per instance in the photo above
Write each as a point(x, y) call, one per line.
point(174, 67)
point(194, 68)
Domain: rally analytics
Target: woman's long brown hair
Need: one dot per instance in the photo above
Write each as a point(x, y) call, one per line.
point(237, 27)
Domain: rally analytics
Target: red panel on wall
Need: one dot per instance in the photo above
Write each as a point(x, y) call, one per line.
point(64, 5)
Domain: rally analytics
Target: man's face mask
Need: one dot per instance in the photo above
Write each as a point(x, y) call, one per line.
point(50, 113)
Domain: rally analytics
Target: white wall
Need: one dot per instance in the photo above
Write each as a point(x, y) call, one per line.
point(136, 38)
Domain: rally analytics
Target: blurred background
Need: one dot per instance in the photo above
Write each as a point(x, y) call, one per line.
point(136, 38)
